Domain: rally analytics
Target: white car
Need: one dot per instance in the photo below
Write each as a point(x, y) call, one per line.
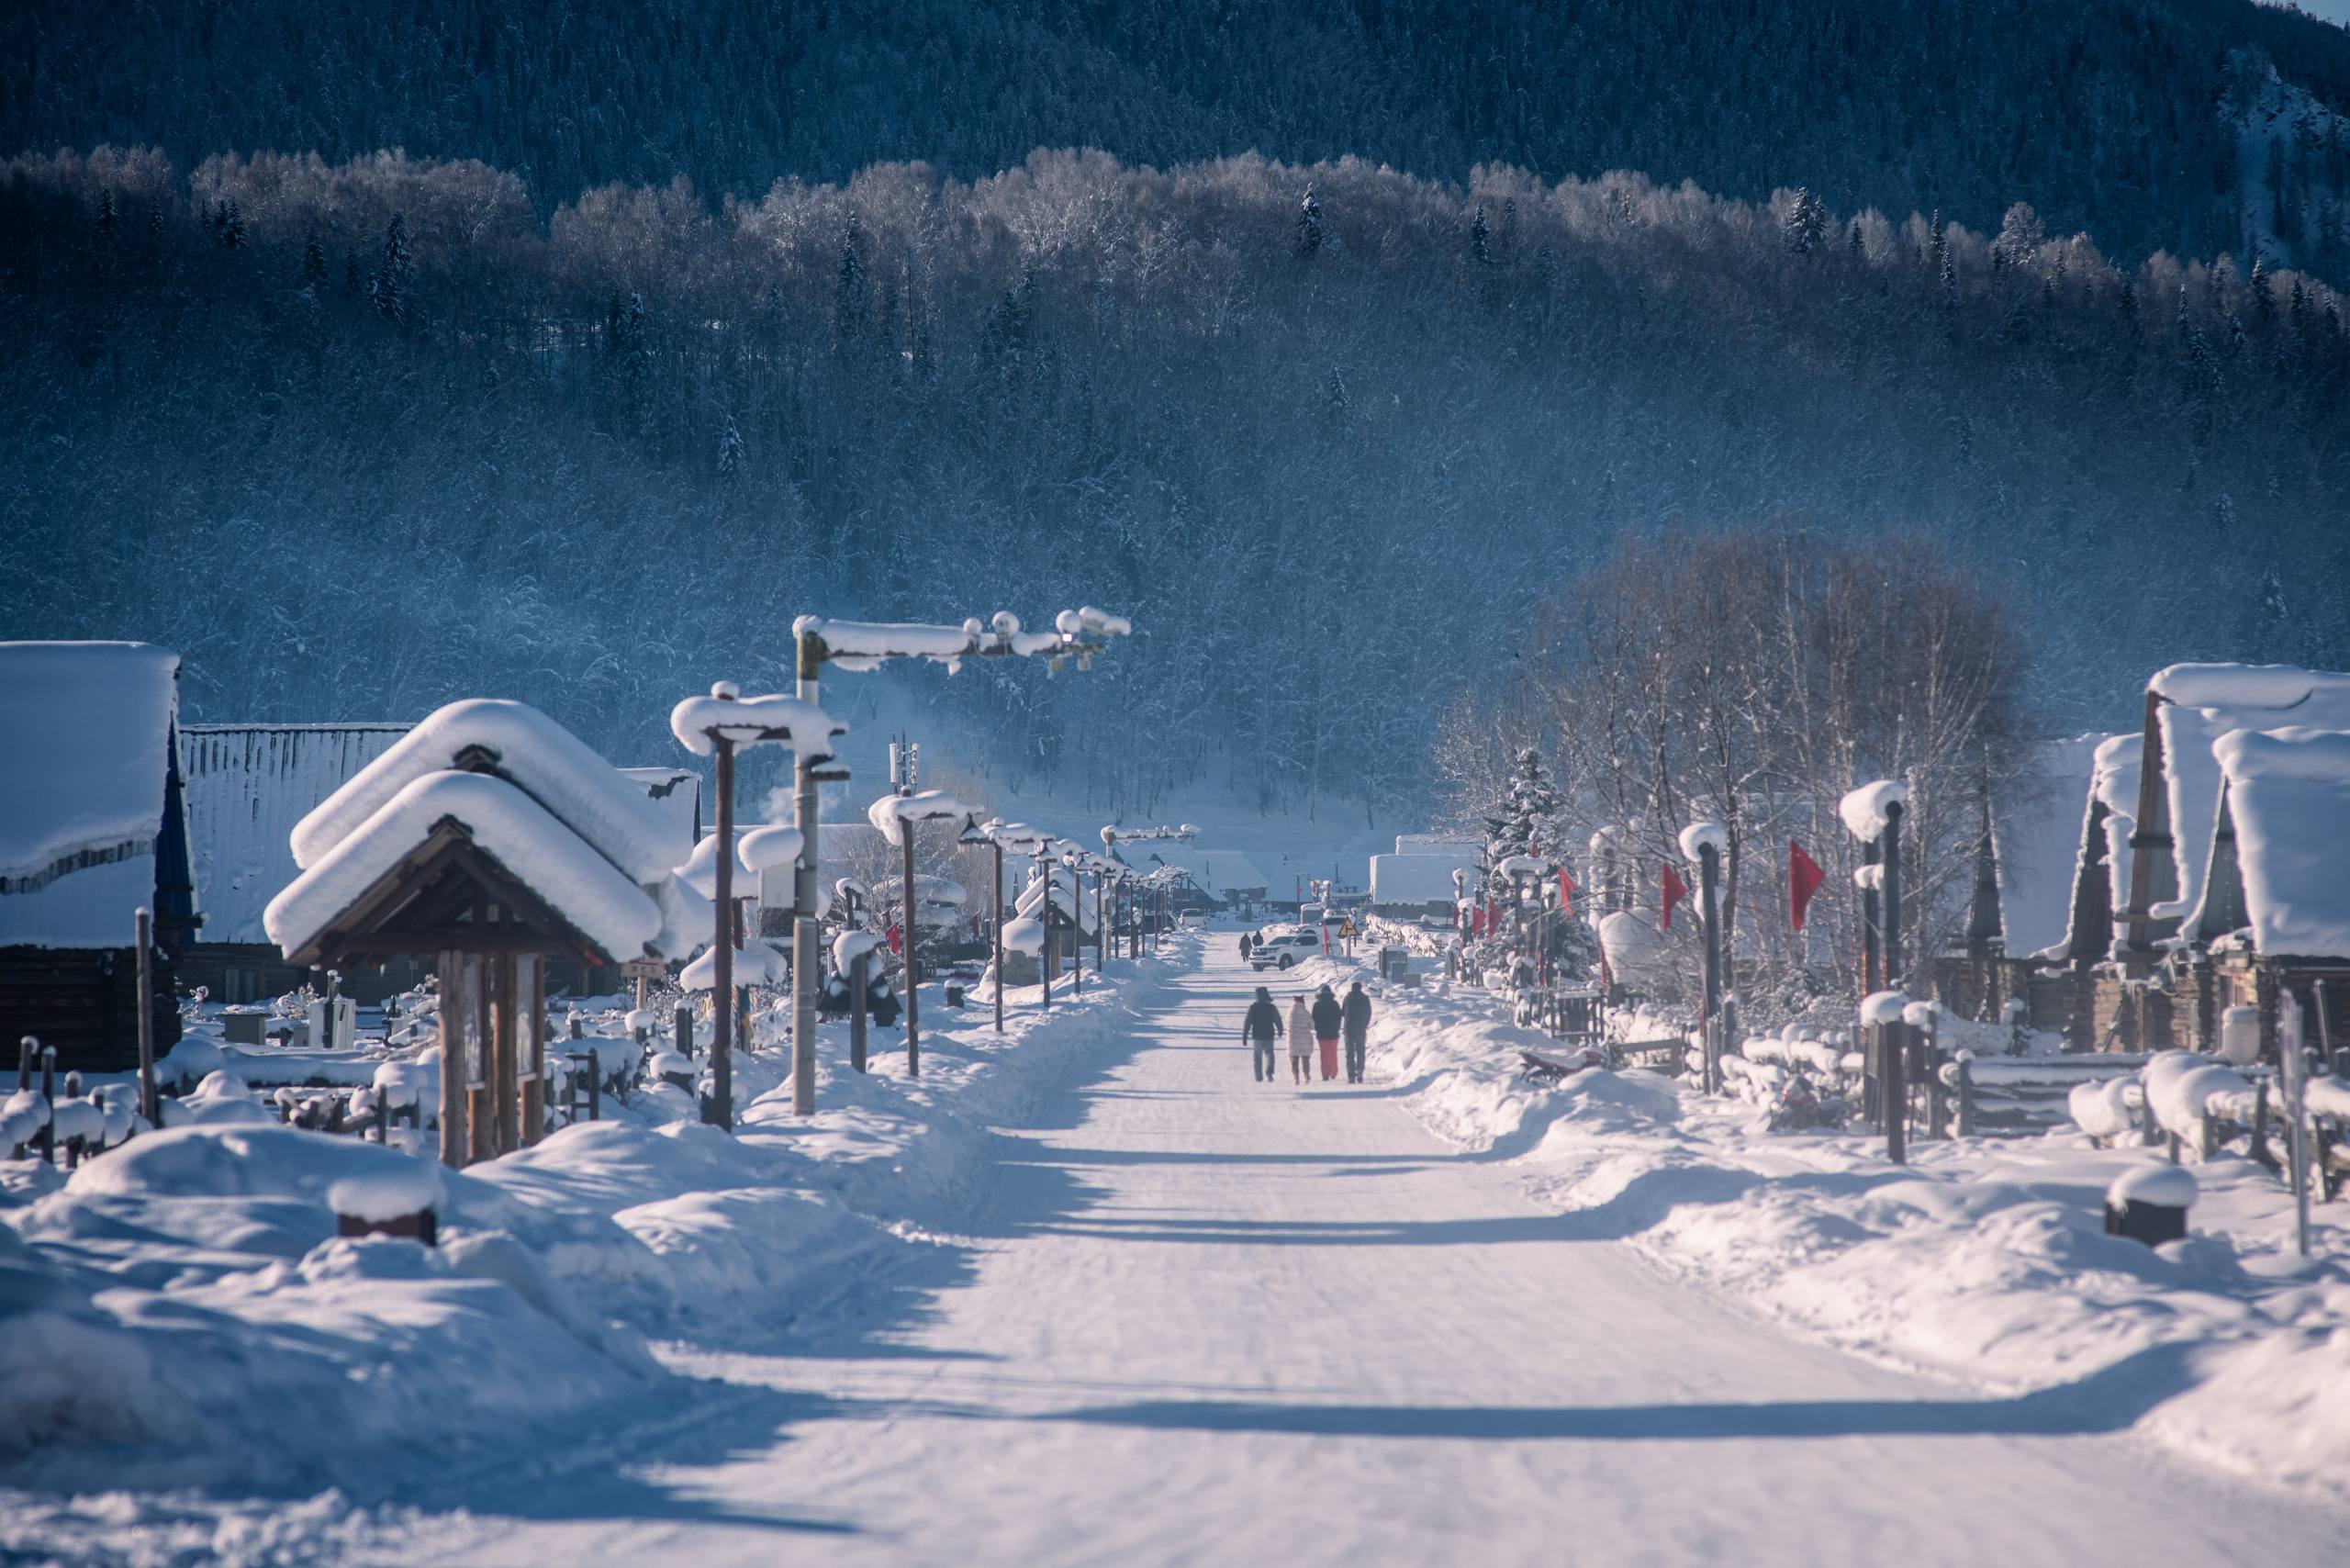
point(1285, 948)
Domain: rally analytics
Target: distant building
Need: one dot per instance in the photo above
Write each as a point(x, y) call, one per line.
point(93, 828)
point(1410, 887)
point(248, 785)
point(1224, 878)
point(1467, 846)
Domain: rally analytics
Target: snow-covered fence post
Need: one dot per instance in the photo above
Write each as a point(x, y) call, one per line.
point(2291, 1071)
point(49, 1103)
point(997, 930)
point(142, 926)
point(2149, 1203)
point(1881, 1023)
point(858, 1004)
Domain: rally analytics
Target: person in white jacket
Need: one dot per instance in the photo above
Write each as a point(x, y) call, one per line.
point(1301, 1040)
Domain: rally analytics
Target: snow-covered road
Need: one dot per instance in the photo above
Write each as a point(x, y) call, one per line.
point(1214, 1321)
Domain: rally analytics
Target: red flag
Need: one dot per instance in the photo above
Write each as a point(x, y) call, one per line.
point(896, 946)
point(1804, 876)
point(1566, 893)
point(1675, 891)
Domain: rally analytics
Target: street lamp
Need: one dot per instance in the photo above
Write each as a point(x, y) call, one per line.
point(719, 724)
point(975, 833)
point(859, 645)
point(895, 817)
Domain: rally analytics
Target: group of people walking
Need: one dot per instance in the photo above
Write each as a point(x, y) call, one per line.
point(1320, 1026)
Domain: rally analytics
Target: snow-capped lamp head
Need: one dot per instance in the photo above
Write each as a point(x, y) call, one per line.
point(974, 629)
point(725, 690)
point(1006, 625)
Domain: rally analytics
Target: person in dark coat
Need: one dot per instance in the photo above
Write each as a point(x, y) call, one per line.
point(1327, 1016)
point(1247, 946)
point(1354, 1016)
point(1263, 1031)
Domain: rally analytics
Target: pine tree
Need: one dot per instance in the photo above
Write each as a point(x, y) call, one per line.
point(1480, 240)
point(1309, 226)
point(1335, 401)
point(731, 452)
point(2021, 235)
point(108, 219)
point(231, 226)
point(1805, 224)
point(314, 262)
point(852, 291)
point(393, 287)
point(2264, 298)
point(1530, 819)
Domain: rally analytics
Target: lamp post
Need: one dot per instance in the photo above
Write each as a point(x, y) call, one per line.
point(895, 817)
point(975, 833)
point(857, 645)
point(716, 725)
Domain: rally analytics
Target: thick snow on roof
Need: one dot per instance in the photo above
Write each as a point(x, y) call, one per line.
point(1077, 911)
point(557, 769)
point(510, 827)
point(248, 785)
point(85, 744)
point(1417, 879)
point(676, 793)
point(2206, 702)
point(2036, 836)
point(1466, 845)
point(85, 749)
point(2288, 793)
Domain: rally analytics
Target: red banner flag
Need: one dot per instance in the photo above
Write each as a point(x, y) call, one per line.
point(1566, 893)
point(1804, 876)
point(1675, 889)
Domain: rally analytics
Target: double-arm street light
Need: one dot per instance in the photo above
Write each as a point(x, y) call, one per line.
point(859, 645)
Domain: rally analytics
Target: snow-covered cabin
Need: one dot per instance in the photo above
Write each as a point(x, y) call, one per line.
point(248, 785)
point(93, 828)
point(2273, 910)
point(491, 839)
point(1221, 878)
point(2027, 866)
point(1408, 887)
point(2188, 708)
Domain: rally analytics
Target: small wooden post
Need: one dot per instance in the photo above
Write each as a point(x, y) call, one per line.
point(480, 1115)
point(682, 1027)
point(143, 927)
point(456, 1145)
point(533, 1004)
point(856, 1006)
point(506, 1051)
point(1965, 1099)
point(49, 1101)
point(913, 981)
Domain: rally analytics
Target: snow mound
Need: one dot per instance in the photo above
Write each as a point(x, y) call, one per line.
point(2165, 1186)
point(387, 1193)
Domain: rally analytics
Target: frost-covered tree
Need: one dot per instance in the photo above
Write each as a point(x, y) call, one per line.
point(1804, 222)
point(1309, 225)
point(393, 284)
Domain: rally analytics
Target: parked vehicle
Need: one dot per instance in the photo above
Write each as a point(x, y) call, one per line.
point(1283, 949)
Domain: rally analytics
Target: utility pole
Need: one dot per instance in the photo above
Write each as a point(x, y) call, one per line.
point(1709, 893)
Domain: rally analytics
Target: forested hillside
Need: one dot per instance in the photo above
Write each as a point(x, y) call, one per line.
point(360, 439)
point(2119, 117)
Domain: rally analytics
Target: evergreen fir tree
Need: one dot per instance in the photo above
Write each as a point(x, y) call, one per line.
point(314, 262)
point(2264, 298)
point(232, 226)
point(1309, 226)
point(1805, 222)
point(852, 291)
point(1335, 401)
point(730, 452)
point(393, 287)
point(108, 219)
point(1480, 240)
point(1530, 819)
point(154, 222)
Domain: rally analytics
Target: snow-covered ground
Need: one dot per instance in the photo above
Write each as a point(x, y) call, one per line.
point(1983, 1260)
point(1097, 1296)
point(170, 1303)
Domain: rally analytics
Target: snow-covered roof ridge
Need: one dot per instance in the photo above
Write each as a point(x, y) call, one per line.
point(1417, 879)
point(2289, 797)
point(505, 824)
point(2243, 686)
point(84, 748)
point(558, 770)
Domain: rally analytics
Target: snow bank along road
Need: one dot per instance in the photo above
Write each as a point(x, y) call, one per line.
point(1217, 1322)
